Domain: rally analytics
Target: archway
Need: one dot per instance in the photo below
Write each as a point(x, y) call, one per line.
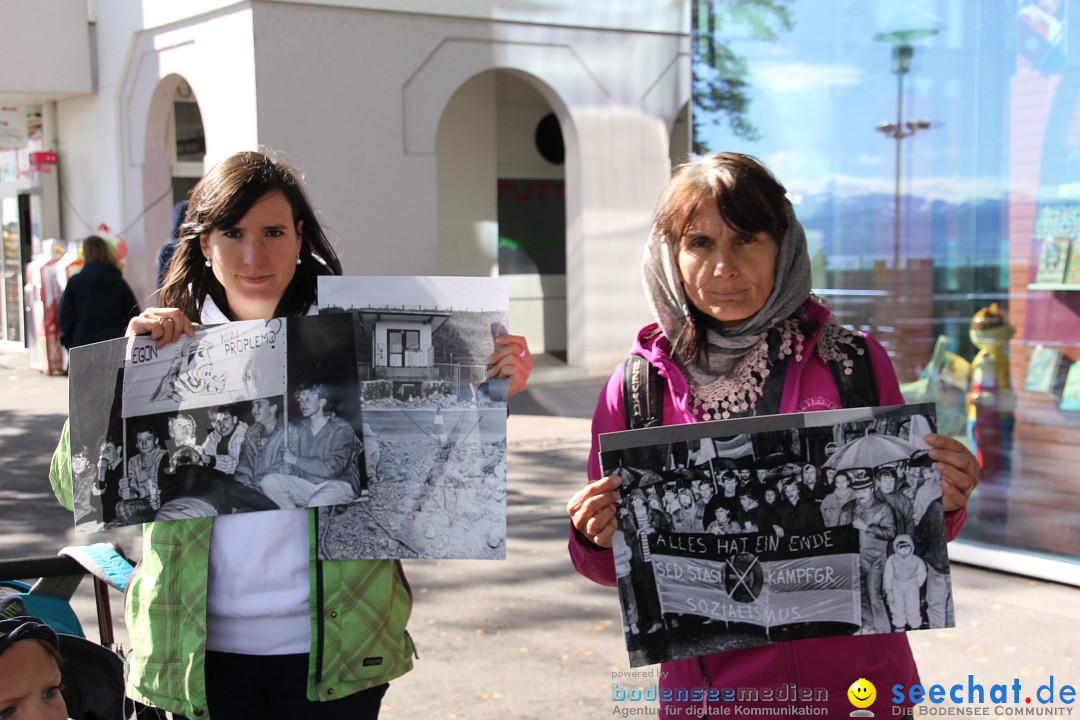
point(173, 155)
point(501, 189)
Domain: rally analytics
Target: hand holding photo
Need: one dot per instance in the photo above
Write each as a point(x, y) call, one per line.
point(742, 532)
point(434, 421)
point(387, 411)
point(240, 417)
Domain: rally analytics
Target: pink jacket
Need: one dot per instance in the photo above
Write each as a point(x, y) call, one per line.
point(831, 664)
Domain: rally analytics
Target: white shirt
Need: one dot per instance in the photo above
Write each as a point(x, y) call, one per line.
point(258, 592)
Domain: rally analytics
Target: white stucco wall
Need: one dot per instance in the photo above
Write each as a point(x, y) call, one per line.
point(660, 16)
point(89, 144)
point(214, 54)
point(354, 96)
point(467, 166)
point(370, 148)
point(46, 49)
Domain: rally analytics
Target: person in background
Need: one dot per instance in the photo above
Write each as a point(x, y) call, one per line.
point(738, 334)
point(235, 616)
point(87, 489)
point(756, 517)
point(723, 524)
point(876, 523)
point(30, 680)
point(110, 471)
point(885, 489)
point(832, 507)
point(221, 448)
point(322, 454)
point(97, 303)
point(140, 489)
point(812, 489)
point(263, 450)
point(798, 515)
point(168, 249)
point(905, 575)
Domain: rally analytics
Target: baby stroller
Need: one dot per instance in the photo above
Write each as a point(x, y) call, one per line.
point(93, 674)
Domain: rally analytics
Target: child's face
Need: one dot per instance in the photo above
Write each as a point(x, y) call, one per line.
point(31, 683)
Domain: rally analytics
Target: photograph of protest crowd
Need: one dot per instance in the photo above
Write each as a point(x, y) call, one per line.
point(743, 532)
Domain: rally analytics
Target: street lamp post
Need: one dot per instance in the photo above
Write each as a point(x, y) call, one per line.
point(901, 64)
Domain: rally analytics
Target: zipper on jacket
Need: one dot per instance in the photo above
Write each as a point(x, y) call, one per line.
point(320, 634)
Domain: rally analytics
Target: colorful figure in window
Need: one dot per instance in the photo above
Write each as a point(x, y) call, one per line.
point(990, 405)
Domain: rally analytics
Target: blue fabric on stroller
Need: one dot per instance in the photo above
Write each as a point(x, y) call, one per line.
point(93, 674)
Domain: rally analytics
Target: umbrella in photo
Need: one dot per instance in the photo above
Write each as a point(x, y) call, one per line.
point(870, 451)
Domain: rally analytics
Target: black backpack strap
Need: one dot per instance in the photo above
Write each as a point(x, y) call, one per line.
point(859, 387)
point(643, 393)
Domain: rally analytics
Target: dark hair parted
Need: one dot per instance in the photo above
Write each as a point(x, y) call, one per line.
point(746, 194)
point(218, 202)
point(96, 250)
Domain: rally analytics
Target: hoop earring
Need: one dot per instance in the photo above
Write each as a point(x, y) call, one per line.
point(207, 263)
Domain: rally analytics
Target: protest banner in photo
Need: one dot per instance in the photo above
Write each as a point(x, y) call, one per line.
point(743, 532)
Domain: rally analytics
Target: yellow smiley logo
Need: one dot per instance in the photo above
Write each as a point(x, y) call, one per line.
point(862, 693)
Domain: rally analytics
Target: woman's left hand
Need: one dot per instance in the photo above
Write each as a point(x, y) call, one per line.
point(958, 468)
point(512, 361)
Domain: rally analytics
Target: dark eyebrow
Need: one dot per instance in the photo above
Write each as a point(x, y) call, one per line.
point(279, 226)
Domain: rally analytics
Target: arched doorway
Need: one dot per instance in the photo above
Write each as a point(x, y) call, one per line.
point(187, 141)
point(173, 161)
point(501, 186)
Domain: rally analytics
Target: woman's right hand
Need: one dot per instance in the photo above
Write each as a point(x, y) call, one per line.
point(592, 510)
point(163, 325)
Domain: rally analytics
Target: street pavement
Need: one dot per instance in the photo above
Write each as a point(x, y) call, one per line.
point(527, 637)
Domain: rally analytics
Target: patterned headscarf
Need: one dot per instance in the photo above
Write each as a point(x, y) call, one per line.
point(725, 347)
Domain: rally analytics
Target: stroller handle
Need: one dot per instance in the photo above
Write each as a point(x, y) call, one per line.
point(46, 566)
point(95, 560)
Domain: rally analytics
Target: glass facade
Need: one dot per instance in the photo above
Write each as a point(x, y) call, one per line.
point(932, 151)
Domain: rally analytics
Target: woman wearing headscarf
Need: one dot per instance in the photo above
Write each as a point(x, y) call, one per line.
point(738, 334)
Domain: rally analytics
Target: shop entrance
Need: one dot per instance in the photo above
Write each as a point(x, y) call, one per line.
point(14, 253)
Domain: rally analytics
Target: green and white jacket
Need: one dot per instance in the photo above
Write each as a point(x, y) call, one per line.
point(359, 610)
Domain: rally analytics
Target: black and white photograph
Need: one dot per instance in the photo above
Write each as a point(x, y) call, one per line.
point(737, 533)
point(242, 417)
point(434, 426)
